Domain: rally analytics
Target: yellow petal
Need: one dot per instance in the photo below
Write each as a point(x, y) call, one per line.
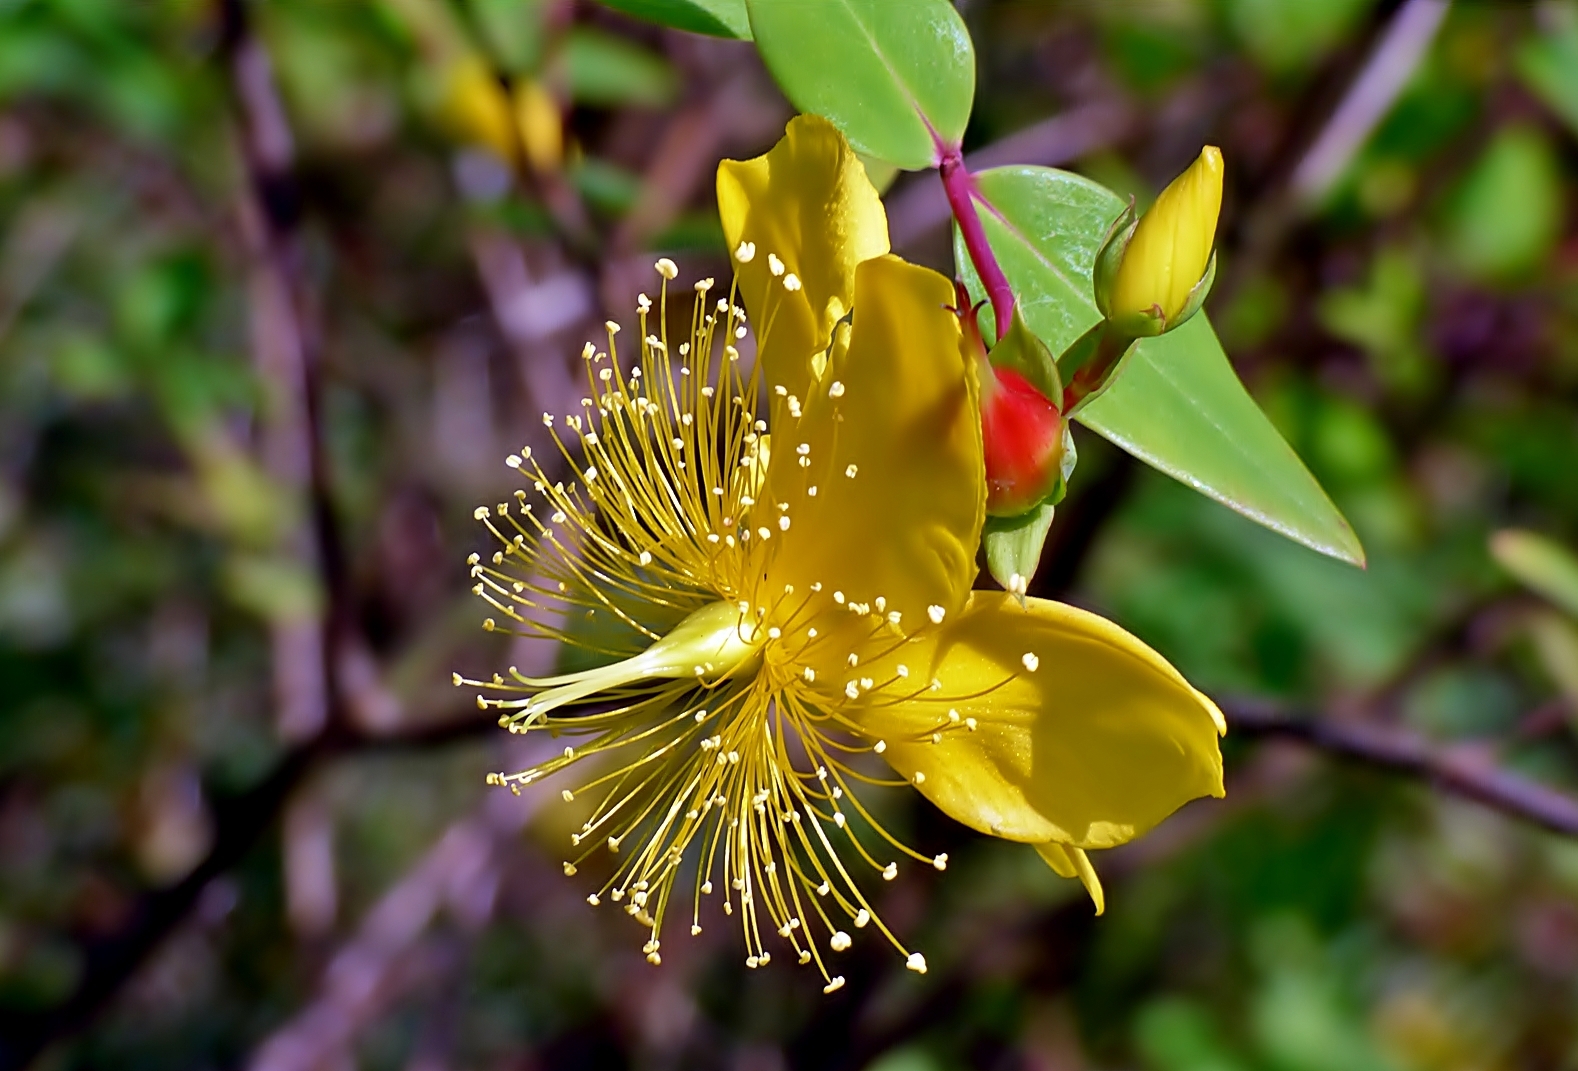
point(890, 439)
point(1071, 862)
point(808, 207)
point(1083, 734)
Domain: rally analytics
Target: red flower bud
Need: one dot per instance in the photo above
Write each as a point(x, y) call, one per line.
point(1022, 432)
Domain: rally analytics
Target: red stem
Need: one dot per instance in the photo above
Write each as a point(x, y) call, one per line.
point(959, 185)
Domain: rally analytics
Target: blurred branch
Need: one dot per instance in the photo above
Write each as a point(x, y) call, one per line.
point(1469, 773)
point(459, 872)
point(1386, 72)
point(1320, 147)
point(240, 821)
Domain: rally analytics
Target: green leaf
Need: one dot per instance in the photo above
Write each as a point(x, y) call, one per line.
point(610, 71)
point(887, 74)
point(513, 30)
point(1548, 65)
point(1540, 564)
point(1013, 544)
point(1178, 406)
point(716, 18)
point(1507, 215)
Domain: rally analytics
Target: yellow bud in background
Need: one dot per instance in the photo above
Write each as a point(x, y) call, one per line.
point(541, 126)
point(1166, 256)
point(475, 107)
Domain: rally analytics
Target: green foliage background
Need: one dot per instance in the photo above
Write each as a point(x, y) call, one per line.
point(1413, 332)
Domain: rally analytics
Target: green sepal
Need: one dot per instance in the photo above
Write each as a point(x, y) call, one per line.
point(1081, 352)
point(1021, 351)
point(1013, 547)
point(1197, 296)
point(1109, 258)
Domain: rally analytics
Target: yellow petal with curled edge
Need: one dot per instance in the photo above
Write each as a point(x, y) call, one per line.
point(890, 441)
point(806, 209)
point(1082, 734)
point(1071, 862)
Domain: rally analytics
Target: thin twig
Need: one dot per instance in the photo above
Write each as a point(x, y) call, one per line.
point(1469, 773)
point(239, 822)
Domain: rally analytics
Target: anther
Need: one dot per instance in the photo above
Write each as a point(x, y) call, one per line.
point(744, 253)
point(840, 941)
point(569, 870)
point(936, 613)
point(834, 986)
point(791, 282)
point(775, 265)
point(941, 861)
point(836, 390)
point(916, 963)
point(861, 918)
point(666, 268)
point(880, 746)
point(1031, 662)
point(890, 872)
point(850, 472)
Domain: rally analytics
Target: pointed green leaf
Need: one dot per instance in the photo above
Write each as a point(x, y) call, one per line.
point(1178, 405)
point(887, 74)
point(1540, 564)
point(716, 18)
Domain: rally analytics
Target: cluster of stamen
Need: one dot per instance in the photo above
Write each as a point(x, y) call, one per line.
point(739, 774)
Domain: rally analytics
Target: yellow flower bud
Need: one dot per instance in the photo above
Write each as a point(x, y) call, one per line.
point(1167, 254)
point(541, 126)
point(476, 109)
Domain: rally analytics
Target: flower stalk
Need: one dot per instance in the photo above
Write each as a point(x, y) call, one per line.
point(959, 185)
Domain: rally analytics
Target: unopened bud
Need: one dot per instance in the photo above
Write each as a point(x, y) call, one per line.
point(1022, 433)
point(475, 108)
point(1153, 273)
point(541, 126)
point(1022, 429)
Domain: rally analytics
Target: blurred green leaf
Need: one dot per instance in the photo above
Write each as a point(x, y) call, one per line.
point(1543, 565)
point(609, 71)
point(1548, 65)
point(716, 18)
point(909, 1058)
point(1300, 1016)
point(1383, 316)
point(275, 589)
point(1177, 1034)
point(1506, 215)
point(886, 74)
point(513, 30)
point(1556, 643)
point(1177, 405)
point(1287, 35)
point(606, 186)
point(89, 369)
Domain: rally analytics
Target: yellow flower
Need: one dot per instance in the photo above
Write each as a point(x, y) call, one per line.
point(777, 616)
point(1157, 283)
